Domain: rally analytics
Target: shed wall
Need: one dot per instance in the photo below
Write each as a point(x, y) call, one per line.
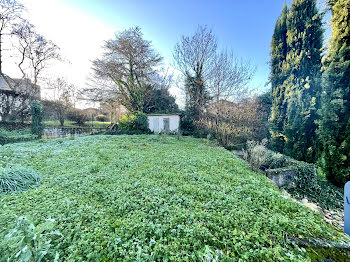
point(156, 123)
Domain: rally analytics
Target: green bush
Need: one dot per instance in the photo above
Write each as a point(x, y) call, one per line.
point(14, 136)
point(325, 194)
point(17, 178)
point(37, 115)
point(135, 123)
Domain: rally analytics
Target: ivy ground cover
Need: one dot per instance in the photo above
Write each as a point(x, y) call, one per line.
point(146, 198)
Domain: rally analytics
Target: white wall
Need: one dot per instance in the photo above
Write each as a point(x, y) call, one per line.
point(156, 123)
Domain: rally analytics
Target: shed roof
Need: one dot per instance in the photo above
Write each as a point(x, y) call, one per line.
point(163, 114)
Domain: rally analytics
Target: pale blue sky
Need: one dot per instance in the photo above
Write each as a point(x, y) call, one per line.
point(244, 26)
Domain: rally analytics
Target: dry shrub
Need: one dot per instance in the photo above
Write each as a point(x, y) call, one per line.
point(232, 124)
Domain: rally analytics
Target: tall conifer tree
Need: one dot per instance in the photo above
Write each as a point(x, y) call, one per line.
point(277, 77)
point(302, 86)
point(334, 124)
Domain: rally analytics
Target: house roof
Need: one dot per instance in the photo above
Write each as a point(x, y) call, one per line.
point(17, 86)
point(5, 82)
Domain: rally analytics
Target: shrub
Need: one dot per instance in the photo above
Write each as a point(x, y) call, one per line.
point(324, 193)
point(186, 124)
point(232, 124)
point(308, 182)
point(37, 115)
point(262, 158)
point(140, 122)
point(13, 136)
point(27, 242)
point(133, 123)
point(78, 116)
point(102, 118)
point(277, 160)
point(17, 179)
point(257, 154)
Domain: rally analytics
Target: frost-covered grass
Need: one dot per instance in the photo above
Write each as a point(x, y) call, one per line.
point(17, 135)
point(129, 198)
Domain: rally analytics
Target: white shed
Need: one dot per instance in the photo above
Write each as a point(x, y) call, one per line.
point(168, 123)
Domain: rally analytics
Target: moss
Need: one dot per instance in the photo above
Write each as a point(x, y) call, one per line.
point(335, 254)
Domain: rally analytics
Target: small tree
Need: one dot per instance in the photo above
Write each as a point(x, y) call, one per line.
point(63, 97)
point(37, 115)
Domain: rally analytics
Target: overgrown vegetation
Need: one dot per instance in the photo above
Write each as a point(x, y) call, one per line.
point(309, 183)
point(77, 115)
point(16, 135)
point(136, 198)
point(27, 242)
point(132, 124)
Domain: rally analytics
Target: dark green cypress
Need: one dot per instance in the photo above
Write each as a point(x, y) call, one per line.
point(302, 86)
point(277, 77)
point(334, 124)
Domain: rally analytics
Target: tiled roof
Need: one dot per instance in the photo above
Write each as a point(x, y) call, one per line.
point(16, 85)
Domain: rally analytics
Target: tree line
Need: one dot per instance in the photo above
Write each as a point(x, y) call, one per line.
point(130, 73)
point(309, 117)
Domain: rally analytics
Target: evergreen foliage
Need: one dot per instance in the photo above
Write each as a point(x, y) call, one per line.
point(159, 100)
point(304, 40)
point(132, 124)
point(197, 97)
point(37, 115)
point(334, 124)
point(277, 77)
point(295, 78)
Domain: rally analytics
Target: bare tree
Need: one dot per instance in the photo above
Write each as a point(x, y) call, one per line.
point(126, 67)
point(228, 82)
point(40, 54)
point(229, 77)
point(194, 56)
point(63, 97)
point(24, 33)
point(35, 48)
point(9, 13)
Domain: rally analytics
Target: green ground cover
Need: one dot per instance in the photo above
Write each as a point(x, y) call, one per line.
point(150, 198)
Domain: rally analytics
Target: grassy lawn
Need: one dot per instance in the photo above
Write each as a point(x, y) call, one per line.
point(144, 198)
point(68, 123)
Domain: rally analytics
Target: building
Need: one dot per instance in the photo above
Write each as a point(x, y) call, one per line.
point(15, 97)
point(167, 123)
